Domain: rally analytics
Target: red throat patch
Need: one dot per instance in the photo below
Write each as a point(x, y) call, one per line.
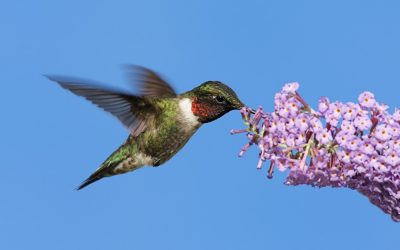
point(199, 109)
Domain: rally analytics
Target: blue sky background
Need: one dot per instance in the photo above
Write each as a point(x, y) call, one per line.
point(205, 197)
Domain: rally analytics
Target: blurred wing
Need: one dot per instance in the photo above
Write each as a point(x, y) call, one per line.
point(150, 83)
point(131, 110)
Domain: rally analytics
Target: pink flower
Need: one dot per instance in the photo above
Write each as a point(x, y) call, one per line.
point(350, 111)
point(383, 132)
point(301, 122)
point(367, 99)
point(362, 122)
point(343, 145)
point(348, 127)
point(291, 87)
point(324, 136)
point(323, 104)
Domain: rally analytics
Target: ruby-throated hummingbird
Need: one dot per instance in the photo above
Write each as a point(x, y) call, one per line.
point(160, 120)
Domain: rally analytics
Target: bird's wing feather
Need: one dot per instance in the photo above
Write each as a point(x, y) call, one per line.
point(131, 110)
point(150, 83)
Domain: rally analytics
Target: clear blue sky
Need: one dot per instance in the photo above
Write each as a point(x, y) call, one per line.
point(205, 197)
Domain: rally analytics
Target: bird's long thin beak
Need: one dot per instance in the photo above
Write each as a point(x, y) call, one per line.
point(239, 105)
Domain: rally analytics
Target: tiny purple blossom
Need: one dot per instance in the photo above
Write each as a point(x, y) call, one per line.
point(382, 108)
point(332, 121)
point(382, 132)
point(349, 111)
point(360, 158)
point(273, 126)
point(373, 161)
point(281, 165)
point(367, 148)
point(392, 158)
point(291, 87)
point(281, 126)
point(300, 139)
point(293, 107)
point(256, 117)
point(290, 140)
point(324, 136)
point(279, 100)
point(348, 127)
point(362, 123)
point(301, 122)
point(395, 130)
point(378, 144)
point(383, 167)
point(316, 125)
point(335, 110)
point(284, 112)
point(342, 138)
point(290, 123)
point(353, 143)
point(345, 156)
point(323, 104)
point(395, 145)
point(367, 99)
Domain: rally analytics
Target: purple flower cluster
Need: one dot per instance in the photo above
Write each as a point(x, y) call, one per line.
point(353, 145)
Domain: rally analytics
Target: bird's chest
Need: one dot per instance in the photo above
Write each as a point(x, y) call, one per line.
point(166, 141)
point(171, 133)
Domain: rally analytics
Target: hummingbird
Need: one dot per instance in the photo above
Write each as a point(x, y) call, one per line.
point(159, 120)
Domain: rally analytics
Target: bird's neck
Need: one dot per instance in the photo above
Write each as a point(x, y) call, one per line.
point(203, 110)
point(188, 112)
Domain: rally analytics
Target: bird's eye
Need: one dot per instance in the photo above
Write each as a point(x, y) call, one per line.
point(219, 99)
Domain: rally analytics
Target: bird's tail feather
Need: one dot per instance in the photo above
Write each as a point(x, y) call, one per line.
point(105, 170)
point(99, 174)
point(89, 181)
point(107, 167)
point(119, 162)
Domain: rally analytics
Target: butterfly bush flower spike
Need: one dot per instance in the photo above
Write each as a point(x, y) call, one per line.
point(351, 145)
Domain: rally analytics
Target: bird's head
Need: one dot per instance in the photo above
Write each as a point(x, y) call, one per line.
point(212, 100)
